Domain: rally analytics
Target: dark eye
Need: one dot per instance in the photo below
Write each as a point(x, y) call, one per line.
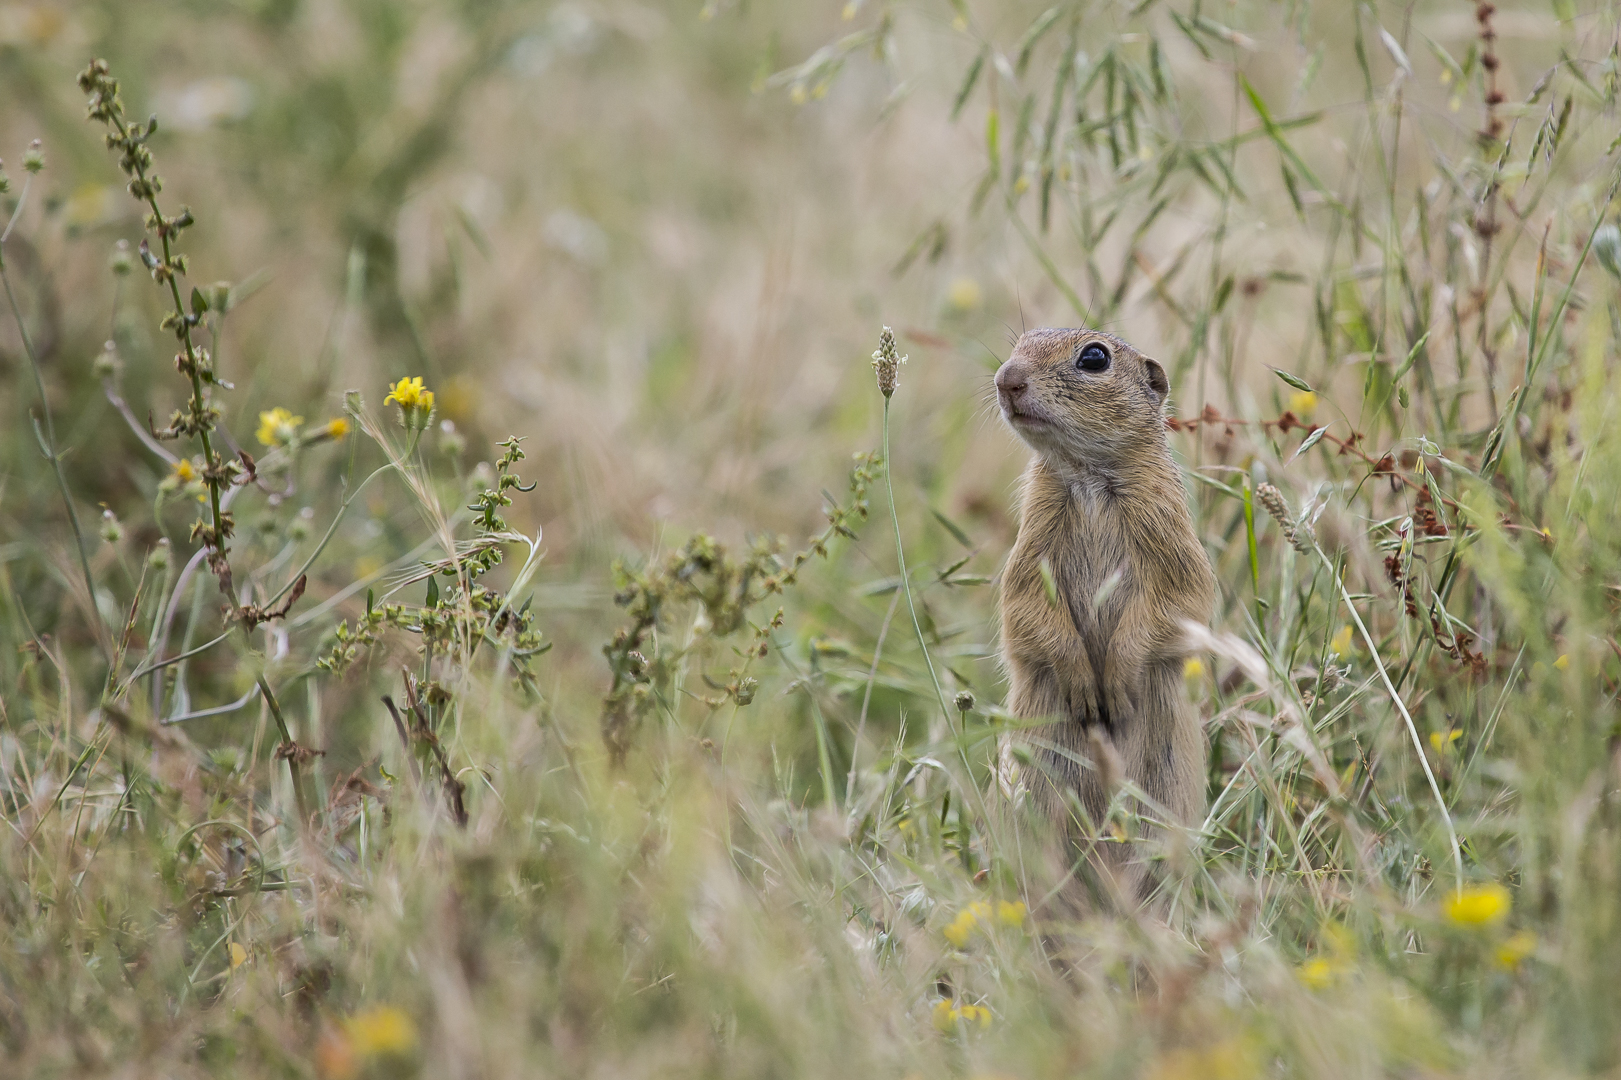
point(1094, 357)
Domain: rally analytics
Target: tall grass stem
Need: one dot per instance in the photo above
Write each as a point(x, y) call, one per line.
point(1407, 718)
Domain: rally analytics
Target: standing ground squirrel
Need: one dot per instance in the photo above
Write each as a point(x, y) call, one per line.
point(1104, 575)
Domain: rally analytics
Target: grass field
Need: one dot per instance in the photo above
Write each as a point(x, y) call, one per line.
point(467, 610)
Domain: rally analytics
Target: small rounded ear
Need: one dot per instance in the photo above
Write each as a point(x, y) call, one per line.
point(1156, 379)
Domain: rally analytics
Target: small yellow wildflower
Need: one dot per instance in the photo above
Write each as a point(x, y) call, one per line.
point(975, 1014)
point(1511, 953)
point(278, 427)
point(964, 294)
point(1563, 663)
point(337, 428)
point(979, 915)
point(1193, 669)
point(381, 1030)
point(1441, 742)
point(1230, 1059)
point(1338, 956)
point(1303, 403)
point(1339, 941)
point(459, 397)
point(405, 392)
point(948, 1014)
point(1320, 972)
point(1478, 905)
point(239, 955)
point(183, 474)
point(967, 920)
point(415, 402)
point(1341, 643)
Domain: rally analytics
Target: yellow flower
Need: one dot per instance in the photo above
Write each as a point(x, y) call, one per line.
point(964, 294)
point(1512, 952)
point(1337, 958)
point(1230, 1059)
point(1303, 403)
point(1342, 642)
point(1339, 941)
point(458, 397)
point(278, 426)
point(337, 429)
point(1478, 905)
point(1319, 972)
point(1441, 742)
point(1193, 669)
point(948, 1014)
point(183, 474)
point(380, 1030)
point(975, 1014)
point(967, 921)
point(416, 404)
point(406, 392)
point(979, 915)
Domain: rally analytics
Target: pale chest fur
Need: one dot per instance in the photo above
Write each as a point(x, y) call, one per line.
point(1079, 533)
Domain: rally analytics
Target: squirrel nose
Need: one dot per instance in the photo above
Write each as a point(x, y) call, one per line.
point(1012, 380)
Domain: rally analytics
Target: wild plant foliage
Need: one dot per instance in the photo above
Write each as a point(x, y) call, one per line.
point(302, 775)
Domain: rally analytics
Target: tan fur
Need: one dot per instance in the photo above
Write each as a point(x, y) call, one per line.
point(1103, 505)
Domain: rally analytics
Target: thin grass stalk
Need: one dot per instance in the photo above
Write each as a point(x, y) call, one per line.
point(1401, 707)
point(49, 447)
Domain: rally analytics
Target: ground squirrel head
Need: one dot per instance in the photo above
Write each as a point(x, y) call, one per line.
point(1082, 398)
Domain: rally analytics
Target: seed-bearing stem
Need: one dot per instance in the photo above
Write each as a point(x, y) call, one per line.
point(900, 557)
point(917, 627)
point(212, 476)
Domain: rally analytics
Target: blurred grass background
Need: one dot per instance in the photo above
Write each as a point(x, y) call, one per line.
point(658, 242)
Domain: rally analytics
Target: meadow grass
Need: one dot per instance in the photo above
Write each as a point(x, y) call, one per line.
point(608, 685)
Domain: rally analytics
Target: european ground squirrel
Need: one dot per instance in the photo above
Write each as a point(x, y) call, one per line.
point(1096, 595)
